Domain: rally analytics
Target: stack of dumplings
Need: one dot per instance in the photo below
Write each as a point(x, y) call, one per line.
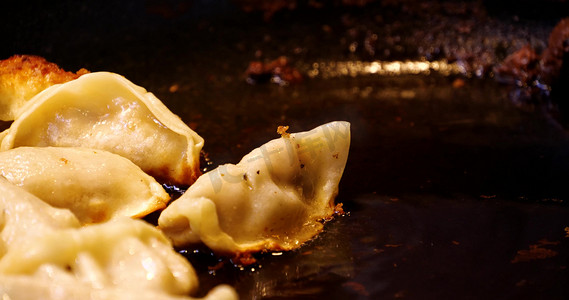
point(83, 160)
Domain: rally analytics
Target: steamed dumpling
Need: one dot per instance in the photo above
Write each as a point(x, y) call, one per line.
point(25, 217)
point(95, 185)
point(106, 111)
point(274, 199)
point(124, 256)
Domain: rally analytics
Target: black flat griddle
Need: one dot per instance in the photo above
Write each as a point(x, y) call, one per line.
point(455, 190)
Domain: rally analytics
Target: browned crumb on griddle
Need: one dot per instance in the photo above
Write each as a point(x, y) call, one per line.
point(357, 287)
point(536, 76)
point(520, 67)
point(339, 209)
point(535, 252)
point(282, 131)
point(278, 71)
point(525, 66)
point(557, 49)
point(217, 266)
point(243, 259)
point(24, 76)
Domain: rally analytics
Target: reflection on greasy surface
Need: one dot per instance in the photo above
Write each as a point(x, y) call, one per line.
point(453, 190)
point(444, 186)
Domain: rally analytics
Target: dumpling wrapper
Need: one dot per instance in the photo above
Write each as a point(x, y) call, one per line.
point(95, 185)
point(24, 76)
point(52, 283)
point(24, 217)
point(105, 111)
point(45, 254)
point(274, 199)
point(125, 254)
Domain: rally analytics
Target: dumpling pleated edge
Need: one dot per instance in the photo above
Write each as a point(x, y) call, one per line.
point(152, 103)
point(194, 217)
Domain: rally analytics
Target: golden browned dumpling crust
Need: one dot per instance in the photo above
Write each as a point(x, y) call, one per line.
point(24, 76)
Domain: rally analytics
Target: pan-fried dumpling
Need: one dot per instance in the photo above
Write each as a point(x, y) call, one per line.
point(126, 254)
point(23, 76)
point(23, 217)
point(95, 185)
point(106, 111)
point(51, 283)
point(45, 254)
point(273, 199)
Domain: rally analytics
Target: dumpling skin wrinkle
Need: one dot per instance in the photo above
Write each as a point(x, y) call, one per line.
point(24, 217)
point(119, 259)
point(105, 111)
point(95, 185)
point(274, 199)
point(46, 254)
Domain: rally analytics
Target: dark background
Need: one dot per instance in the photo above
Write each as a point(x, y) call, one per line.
point(456, 186)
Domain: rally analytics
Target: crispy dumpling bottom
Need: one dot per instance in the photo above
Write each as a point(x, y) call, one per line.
point(274, 199)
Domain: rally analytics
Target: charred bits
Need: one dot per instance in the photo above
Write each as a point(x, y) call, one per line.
point(278, 71)
point(526, 68)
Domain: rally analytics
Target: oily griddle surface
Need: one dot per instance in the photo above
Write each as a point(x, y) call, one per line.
point(453, 189)
point(455, 192)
